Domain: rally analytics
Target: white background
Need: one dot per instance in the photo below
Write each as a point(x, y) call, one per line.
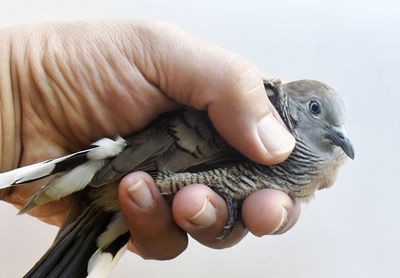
point(350, 230)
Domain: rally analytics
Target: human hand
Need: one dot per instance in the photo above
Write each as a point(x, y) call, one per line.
point(66, 85)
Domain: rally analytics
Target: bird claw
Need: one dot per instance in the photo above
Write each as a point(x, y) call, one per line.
point(234, 213)
point(227, 231)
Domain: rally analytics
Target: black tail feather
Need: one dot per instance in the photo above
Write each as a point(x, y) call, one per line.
point(72, 249)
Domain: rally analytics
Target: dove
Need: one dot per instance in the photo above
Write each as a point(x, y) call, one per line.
point(177, 149)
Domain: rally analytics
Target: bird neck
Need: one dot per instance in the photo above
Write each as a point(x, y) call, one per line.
point(299, 175)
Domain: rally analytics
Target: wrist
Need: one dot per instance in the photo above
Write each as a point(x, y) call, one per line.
point(10, 108)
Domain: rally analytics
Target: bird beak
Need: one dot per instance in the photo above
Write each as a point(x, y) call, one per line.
point(339, 137)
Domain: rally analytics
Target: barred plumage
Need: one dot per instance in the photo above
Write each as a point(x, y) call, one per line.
point(178, 149)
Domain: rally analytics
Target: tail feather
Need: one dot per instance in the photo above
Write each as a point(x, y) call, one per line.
point(64, 185)
point(104, 148)
point(98, 230)
point(102, 263)
point(109, 244)
point(41, 170)
point(69, 255)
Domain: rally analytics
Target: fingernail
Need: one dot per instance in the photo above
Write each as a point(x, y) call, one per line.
point(141, 195)
point(275, 137)
point(206, 216)
point(282, 222)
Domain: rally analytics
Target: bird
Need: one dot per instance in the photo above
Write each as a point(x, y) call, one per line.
point(177, 149)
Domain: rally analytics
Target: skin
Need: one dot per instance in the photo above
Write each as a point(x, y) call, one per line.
point(64, 85)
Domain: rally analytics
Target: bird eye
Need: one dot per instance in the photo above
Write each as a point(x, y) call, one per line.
point(315, 107)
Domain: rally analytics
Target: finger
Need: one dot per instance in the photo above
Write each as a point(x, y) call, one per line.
point(202, 213)
point(229, 87)
point(270, 211)
point(154, 234)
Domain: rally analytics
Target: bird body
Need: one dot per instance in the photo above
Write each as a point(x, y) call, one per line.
point(177, 149)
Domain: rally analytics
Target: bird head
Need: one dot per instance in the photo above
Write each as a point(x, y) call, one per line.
point(314, 114)
point(319, 114)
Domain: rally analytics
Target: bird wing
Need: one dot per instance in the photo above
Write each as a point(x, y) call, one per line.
point(179, 141)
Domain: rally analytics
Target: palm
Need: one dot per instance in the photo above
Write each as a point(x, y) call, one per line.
point(62, 118)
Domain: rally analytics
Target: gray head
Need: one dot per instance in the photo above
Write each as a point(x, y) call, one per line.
point(319, 114)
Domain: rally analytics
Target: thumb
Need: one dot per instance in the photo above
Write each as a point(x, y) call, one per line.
point(229, 87)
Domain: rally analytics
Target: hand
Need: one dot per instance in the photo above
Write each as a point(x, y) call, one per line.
point(65, 85)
